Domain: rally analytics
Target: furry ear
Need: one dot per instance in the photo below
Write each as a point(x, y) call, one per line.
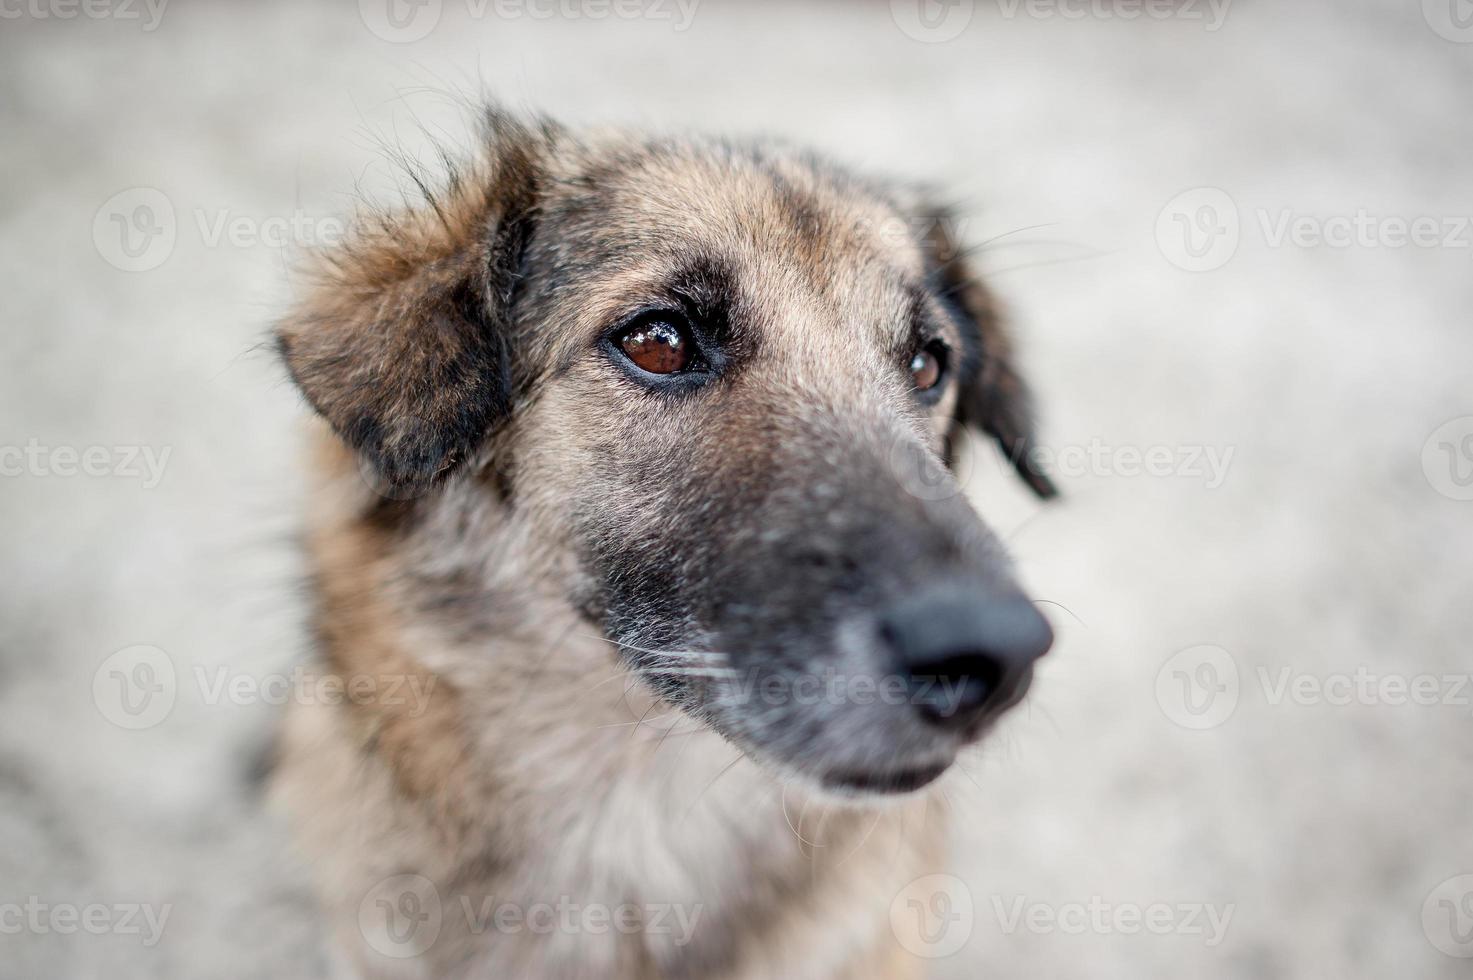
point(402, 344)
point(993, 396)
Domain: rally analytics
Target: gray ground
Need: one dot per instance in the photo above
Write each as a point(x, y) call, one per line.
point(1333, 546)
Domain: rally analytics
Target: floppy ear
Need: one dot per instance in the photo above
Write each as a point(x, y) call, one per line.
point(402, 344)
point(993, 396)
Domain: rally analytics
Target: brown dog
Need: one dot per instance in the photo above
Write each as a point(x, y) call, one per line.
point(637, 556)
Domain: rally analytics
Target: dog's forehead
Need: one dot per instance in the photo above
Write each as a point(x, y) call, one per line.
point(776, 204)
point(807, 244)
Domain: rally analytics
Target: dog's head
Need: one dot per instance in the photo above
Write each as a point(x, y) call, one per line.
point(716, 383)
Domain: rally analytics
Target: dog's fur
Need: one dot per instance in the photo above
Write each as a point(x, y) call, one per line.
point(544, 577)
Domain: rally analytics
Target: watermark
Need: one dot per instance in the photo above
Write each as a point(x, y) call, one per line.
point(1211, 13)
point(1201, 687)
point(1363, 229)
point(1447, 458)
point(402, 916)
point(221, 685)
point(569, 917)
point(947, 235)
point(943, 694)
point(923, 474)
point(1204, 920)
point(936, 696)
point(406, 21)
point(1208, 464)
point(1198, 687)
point(148, 13)
point(932, 21)
point(940, 233)
point(381, 485)
point(1364, 686)
point(1198, 230)
point(933, 916)
point(137, 687)
point(1451, 19)
point(1447, 917)
point(218, 227)
point(95, 918)
point(143, 463)
point(1201, 230)
point(833, 687)
point(137, 230)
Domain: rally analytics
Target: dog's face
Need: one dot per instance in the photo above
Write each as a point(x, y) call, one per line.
point(719, 383)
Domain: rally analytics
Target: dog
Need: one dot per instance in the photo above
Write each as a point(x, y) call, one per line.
point(634, 546)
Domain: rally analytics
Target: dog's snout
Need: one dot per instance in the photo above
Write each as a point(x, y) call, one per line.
point(964, 652)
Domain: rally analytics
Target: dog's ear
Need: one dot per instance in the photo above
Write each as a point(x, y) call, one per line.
point(402, 344)
point(992, 395)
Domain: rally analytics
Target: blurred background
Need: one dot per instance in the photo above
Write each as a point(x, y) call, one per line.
point(1235, 241)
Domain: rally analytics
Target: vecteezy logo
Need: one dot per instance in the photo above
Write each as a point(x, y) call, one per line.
point(400, 21)
point(932, 21)
point(400, 916)
point(1447, 458)
point(647, 710)
point(1198, 230)
point(1447, 917)
point(135, 687)
point(1198, 687)
point(374, 479)
point(922, 474)
point(933, 916)
point(1451, 19)
point(134, 230)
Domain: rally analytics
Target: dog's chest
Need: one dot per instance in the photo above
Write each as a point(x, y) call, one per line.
point(697, 865)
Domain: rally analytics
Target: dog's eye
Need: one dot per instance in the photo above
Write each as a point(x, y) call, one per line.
point(928, 365)
point(659, 345)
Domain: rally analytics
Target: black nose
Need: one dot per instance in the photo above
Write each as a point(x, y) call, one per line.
point(964, 652)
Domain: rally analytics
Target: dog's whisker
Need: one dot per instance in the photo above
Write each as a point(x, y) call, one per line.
point(1055, 602)
point(986, 242)
point(635, 730)
point(682, 654)
point(1035, 705)
point(874, 822)
point(631, 673)
point(661, 743)
point(704, 789)
point(1093, 254)
point(796, 832)
point(619, 724)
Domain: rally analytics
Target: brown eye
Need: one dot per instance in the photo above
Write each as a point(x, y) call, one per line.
point(656, 346)
point(927, 364)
